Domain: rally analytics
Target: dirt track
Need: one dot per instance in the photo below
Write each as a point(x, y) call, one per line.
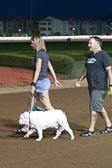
point(91, 152)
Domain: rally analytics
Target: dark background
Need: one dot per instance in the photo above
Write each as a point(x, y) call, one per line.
point(64, 8)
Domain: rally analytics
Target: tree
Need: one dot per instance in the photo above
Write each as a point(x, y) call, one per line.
point(98, 32)
point(83, 32)
point(57, 34)
point(8, 34)
point(29, 33)
point(51, 33)
point(35, 31)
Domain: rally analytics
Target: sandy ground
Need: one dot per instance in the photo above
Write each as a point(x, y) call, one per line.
point(90, 152)
point(15, 152)
point(4, 89)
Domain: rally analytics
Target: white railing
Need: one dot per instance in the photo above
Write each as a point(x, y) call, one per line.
point(56, 38)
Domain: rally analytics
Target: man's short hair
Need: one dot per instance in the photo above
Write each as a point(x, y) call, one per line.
point(98, 39)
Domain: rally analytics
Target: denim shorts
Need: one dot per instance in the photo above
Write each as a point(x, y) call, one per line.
point(43, 85)
point(97, 100)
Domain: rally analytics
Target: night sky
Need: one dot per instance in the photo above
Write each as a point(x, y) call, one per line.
point(64, 8)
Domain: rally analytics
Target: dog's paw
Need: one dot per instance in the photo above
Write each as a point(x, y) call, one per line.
point(26, 137)
point(55, 137)
point(38, 139)
point(72, 138)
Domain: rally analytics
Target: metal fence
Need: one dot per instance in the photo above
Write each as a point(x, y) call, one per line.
point(56, 38)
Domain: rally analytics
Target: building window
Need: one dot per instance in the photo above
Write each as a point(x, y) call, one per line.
point(49, 29)
point(91, 29)
point(43, 29)
point(49, 23)
point(92, 23)
point(9, 25)
point(20, 25)
point(43, 23)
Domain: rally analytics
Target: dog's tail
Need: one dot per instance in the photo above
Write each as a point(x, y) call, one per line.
point(62, 116)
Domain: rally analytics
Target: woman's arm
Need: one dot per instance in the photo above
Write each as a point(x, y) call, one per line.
point(36, 74)
point(57, 83)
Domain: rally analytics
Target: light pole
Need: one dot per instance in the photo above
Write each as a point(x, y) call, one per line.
point(73, 31)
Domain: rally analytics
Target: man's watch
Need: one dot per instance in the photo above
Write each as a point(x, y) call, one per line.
point(110, 85)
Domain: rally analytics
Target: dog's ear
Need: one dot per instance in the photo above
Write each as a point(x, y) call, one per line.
point(26, 114)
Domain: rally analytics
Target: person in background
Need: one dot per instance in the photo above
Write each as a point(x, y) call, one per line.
point(40, 85)
point(97, 70)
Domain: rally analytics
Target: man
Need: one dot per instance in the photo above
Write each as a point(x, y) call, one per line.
point(97, 70)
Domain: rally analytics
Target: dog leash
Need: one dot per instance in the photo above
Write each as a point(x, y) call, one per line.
point(35, 108)
point(30, 108)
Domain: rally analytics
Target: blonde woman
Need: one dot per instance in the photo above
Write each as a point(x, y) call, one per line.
point(40, 84)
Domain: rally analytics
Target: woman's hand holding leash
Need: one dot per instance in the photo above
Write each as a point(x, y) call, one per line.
point(32, 89)
point(33, 84)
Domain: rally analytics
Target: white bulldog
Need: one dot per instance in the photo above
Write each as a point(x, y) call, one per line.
point(40, 120)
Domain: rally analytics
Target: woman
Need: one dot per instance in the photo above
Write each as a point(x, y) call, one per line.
point(41, 64)
point(40, 84)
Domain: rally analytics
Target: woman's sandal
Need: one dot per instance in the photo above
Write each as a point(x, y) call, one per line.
point(20, 131)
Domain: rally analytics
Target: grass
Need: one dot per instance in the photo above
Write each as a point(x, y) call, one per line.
point(77, 50)
point(78, 68)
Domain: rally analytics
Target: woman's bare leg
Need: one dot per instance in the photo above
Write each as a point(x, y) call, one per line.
point(44, 99)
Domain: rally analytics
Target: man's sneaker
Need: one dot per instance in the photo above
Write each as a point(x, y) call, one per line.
point(107, 130)
point(63, 132)
point(88, 133)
